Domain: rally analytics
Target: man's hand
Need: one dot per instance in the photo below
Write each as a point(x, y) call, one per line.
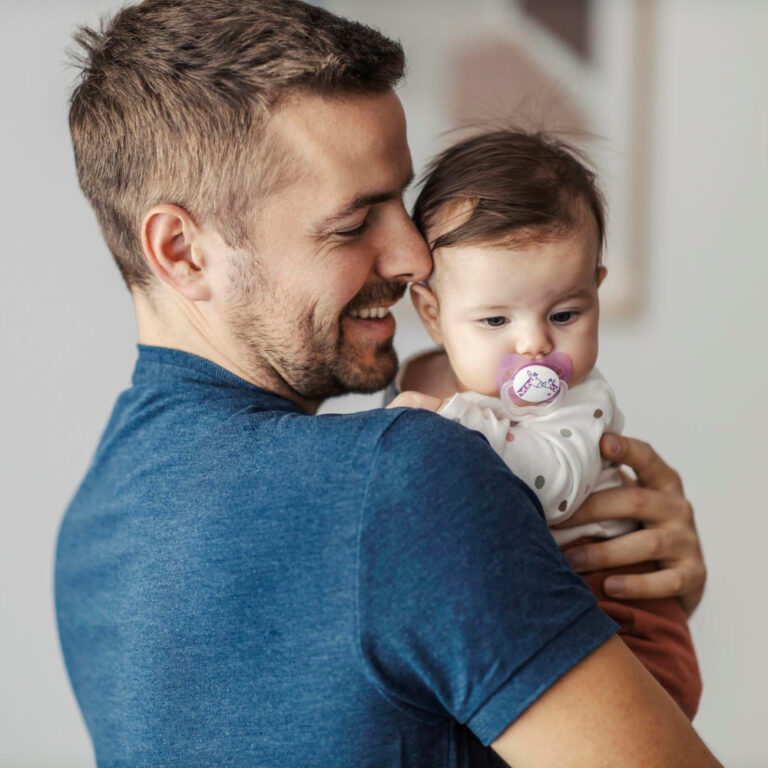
point(668, 535)
point(417, 400)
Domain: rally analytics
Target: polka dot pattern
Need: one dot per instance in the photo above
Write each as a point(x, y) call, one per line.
point(598, 413)
point(510, 437)
point(539, 482)
point(563, 506)
point(565, 432)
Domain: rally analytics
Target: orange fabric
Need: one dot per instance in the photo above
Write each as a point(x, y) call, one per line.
point(656, 631)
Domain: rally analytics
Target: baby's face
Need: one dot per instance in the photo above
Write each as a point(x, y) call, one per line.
point(531, 299)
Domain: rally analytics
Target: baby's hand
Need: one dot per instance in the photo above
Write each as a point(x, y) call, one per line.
point(417, 400)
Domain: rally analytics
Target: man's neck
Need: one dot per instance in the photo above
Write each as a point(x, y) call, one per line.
point(159, 327)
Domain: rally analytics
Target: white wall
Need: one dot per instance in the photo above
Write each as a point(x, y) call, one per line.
point(68, 342)
point(706, 327)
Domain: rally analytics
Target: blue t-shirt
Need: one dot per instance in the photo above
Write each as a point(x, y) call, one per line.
point(239, 583)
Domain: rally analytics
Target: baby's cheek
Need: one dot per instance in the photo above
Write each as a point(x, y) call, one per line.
point(474, 364)
point(584, 356)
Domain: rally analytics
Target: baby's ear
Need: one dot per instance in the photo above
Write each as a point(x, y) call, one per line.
point(425, 303)
point(600, 275)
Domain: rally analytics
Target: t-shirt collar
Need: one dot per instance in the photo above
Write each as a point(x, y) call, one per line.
point(166, 364)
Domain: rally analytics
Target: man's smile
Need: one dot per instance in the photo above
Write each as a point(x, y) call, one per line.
point(370, 313)
point(376, 320)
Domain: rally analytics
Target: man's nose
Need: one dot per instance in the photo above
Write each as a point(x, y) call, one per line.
point(533, 340)
point(404, 254)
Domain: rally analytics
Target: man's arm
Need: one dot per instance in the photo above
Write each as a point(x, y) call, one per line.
point(466, 607)
point(607, 711)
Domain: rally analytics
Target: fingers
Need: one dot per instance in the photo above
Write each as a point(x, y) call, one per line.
point(635, 547)
point(691, 597)
point(416, 400)
point(685, 584)
point(632, 501)
point(670, 582)
point(650, 468)
point(682, 573)
point(668, 537)
point(403, 400)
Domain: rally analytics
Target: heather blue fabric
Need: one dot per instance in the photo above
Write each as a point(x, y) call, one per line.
point(241, 584)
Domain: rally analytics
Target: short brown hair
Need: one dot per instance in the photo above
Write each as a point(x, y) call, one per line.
point(514, 183)
point(173, 101)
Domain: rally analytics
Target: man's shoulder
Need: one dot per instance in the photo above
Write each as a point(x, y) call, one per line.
point(406, 438)
point(411, 430)
point(425, 435)
point(423, 453)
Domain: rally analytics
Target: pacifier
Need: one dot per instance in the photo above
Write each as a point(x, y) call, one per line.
point(523, 381)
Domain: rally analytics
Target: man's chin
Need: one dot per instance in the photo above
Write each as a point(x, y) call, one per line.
point(367, 376)
point(350, 370)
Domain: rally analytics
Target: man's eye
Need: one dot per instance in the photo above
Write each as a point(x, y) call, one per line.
point(563, 318)
point(354, 232)
point(494, 322)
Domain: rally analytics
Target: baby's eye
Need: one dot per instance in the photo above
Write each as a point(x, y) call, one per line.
point(564, 318)
point(494, 322)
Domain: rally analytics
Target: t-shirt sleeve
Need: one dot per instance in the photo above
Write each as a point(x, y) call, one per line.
point(466, 607)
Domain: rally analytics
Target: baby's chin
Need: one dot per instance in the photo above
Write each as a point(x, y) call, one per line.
point(486, 391)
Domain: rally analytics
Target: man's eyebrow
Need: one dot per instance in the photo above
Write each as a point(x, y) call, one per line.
point(357, 203)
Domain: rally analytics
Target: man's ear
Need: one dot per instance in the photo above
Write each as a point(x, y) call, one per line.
point(171, 245)
point(426, 304)
point(601, 273)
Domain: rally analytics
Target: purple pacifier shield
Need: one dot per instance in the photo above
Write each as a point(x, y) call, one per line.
point(524, 381)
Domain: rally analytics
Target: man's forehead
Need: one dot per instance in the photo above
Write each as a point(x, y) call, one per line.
point(350, 129)
point(348, 153)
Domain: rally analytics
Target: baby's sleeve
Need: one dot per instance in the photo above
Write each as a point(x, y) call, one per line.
point(483, 420)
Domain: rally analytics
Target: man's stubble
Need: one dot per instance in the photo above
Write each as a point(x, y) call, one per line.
point(291, 344)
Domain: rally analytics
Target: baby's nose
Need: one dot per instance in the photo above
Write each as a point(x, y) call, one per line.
point(534, 342)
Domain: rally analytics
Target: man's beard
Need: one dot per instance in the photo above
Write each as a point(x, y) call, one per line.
point(314, 357)
point(329, 364)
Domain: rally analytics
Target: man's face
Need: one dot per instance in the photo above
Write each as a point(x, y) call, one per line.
point(333, 252)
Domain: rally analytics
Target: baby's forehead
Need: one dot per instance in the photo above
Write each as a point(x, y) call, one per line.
point(464, 259)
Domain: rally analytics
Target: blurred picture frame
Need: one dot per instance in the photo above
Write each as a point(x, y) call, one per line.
point(582, 70)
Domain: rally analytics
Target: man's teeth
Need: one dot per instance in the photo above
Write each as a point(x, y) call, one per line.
point(370, 313)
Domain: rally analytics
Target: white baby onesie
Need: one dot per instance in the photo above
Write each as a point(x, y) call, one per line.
point(553, 448)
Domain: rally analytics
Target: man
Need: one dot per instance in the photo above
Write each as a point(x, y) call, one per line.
point(239, 582)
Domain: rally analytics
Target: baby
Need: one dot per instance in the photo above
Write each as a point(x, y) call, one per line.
point(516, 225)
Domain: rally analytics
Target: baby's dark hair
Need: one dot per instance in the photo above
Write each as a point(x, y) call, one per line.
point(515, 184)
